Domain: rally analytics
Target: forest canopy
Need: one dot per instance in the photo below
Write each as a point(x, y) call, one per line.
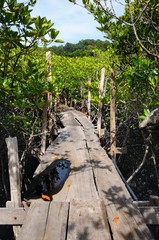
point(80, 49)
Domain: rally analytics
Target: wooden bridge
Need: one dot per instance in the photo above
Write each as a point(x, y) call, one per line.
point(94, 202)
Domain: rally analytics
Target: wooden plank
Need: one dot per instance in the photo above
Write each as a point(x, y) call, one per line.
point(68, 119)
point(150, 214)
point(141, 203)
point(82, 119)
point(125, 215)
point(119, 207)
point(111, 188)
point(14, 174)
point(13, 216)
point(35, 222)
point(57, 221)
point(93, 175)
point(50, 156)
point(75, 150)
point(88, 220)
point(71, 146)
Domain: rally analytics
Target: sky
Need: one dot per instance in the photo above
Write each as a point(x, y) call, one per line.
point(73, 22)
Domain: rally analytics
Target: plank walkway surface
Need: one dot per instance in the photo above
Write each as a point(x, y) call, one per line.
point(93, 203)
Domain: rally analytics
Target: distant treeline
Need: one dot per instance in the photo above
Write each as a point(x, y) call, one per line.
point(82, 48)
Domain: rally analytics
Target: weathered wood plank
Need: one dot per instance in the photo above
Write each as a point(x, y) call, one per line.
point(82, 119)
point(68, 119)
point(57, 221)
point(34, 225)
point(150, 214)
point(14, 174)
point(134, 225)
point(141, 203)
point(15, 216)
point(88, 220)
point(113, 190)
point(50, 156)
point(93, 175)
point(75, 150)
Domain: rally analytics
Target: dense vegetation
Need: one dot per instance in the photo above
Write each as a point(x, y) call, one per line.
point(82, 48)
point(132, 52)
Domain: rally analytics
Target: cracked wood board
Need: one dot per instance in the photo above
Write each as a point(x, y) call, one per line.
point(88, 220)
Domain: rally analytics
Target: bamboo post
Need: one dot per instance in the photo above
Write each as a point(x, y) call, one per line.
point(112, 116)
point(100, 105)
point(89, 98)
point(14, 177)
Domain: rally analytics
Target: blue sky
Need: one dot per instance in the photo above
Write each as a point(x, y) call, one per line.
point(73, 22)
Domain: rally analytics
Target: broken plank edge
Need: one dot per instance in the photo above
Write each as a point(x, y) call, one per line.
point(12, 216)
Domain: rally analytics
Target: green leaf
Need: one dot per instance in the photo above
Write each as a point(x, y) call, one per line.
point(85, 2)
point(59, 41)
point(54, 33)
point(32, 2)
point(1, 4)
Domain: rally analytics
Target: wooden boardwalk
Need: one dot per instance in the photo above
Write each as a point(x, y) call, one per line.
point(93, 203)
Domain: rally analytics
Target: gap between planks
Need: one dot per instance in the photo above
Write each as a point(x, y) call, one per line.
point(66, 221)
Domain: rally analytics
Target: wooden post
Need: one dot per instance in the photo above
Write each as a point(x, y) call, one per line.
point(89, 98)
point(82, 98)
point(14, 173)
point(100, 105)
point(44, 129)
point(14, 177)
point(154, 200)
point(49, 78)
point(112, 116)
point(66, 102)
point(47, 104)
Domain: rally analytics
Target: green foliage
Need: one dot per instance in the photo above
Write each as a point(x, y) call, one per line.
point(23, 69)
point(133, 50)
point(71, 73)
point(146, 114)
point(81, 49)
point(140, 19)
